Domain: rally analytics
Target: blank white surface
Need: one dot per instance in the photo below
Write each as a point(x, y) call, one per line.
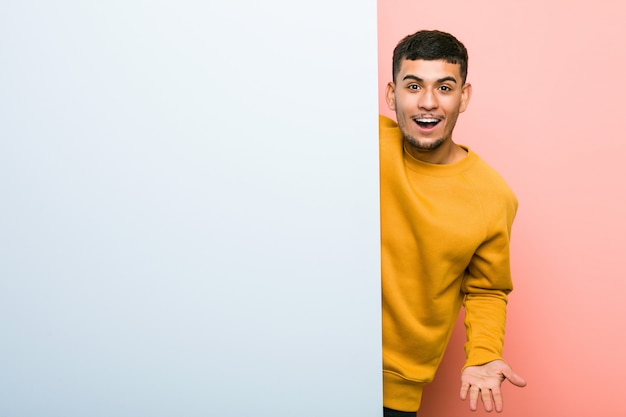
point(189, 214)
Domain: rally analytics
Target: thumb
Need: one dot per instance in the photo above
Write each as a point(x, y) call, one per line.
point(514, 378)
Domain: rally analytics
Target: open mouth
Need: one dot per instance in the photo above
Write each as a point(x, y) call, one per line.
point(427, 122)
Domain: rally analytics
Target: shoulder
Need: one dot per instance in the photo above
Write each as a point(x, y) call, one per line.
point(389, 137)
point(386, 122)
point(390, 142)
point(388, 129)
point(489, 183)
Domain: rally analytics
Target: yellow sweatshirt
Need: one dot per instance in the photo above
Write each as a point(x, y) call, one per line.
point(445, 233)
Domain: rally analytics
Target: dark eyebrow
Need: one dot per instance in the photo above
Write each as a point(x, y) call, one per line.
point(439, 81)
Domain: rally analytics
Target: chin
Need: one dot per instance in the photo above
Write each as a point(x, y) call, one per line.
point(425, 145)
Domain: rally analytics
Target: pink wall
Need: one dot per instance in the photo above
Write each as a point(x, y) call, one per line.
point(548, 112)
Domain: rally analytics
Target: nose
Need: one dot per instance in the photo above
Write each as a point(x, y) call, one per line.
point(428, 100)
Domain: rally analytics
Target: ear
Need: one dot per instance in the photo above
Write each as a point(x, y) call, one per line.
point(390, 95)
point(466, 94)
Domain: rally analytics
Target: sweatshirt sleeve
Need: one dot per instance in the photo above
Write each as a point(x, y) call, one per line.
point(487, 284)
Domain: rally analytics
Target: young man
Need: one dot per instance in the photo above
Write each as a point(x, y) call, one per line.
point(446, 220)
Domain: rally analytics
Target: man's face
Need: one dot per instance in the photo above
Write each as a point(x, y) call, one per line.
point(427, 97)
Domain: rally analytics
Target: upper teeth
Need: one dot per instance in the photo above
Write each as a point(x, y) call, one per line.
point(427, 120)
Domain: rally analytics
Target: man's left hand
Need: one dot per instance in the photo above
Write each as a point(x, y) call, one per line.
point(486, 380)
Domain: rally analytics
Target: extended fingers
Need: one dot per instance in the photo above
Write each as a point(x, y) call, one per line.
point(486, 397)
point(497, 399)
point(491, 398)
point(464, 389)
point(474, 392)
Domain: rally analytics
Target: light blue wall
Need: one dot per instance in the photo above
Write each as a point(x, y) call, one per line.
point(189, 209)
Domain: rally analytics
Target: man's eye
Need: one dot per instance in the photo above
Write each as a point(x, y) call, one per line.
point(413, 87)
point(445, 88)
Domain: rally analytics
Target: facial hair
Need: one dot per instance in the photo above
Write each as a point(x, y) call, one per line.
point(423, 147)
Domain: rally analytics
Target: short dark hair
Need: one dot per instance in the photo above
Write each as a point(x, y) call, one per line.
point(430, 45)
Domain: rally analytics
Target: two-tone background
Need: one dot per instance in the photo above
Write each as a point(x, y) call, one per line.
point(189, 203)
